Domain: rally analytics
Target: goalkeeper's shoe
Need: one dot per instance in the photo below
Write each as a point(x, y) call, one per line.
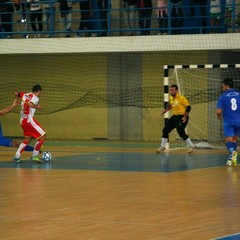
point(234, 158)
point(36, 159)
point(191, 149)
point(17, 160)
point(160, 150)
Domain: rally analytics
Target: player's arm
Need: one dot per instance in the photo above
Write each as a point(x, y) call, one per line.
point(167, 109)
point(187, 105)
point(188, 109)
point(9, 108)
point(33, 105)
point(219, 107)
point(19, 95)
point(219, 113)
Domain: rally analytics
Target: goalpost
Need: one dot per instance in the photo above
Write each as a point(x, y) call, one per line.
point(201, 85)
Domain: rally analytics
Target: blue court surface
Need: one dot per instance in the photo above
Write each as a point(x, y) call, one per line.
point(125, 161)
point(231, 237)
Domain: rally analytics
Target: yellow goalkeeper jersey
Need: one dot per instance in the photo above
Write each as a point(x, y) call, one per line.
point(178, 104)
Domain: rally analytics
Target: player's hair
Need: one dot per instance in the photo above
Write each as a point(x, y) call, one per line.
point(228, 82)
point(174, 86)
point(36, 88)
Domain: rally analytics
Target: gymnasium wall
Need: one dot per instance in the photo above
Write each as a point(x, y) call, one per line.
point(117, 123)
point(64, 66)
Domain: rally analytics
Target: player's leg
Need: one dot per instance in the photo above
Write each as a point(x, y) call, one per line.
point(26, 127)
point(8, 142)
point(5, 142)
point(21, 148)
point(39, 134)
point(180, 126)
point(231, 150)
point(37, 148)
point(235, 153)
point(27, 148)
point(234, 145)
point(165, 134)
point(230, 145)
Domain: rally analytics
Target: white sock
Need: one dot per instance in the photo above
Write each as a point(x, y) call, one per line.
point(35, 153)
point(164, 142)
point(20, 149)
point(189, 143)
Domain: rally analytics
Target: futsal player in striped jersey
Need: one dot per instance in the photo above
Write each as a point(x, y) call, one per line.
point(31, 128)
point(8, 142)
point(228, 108)
point(179, 120)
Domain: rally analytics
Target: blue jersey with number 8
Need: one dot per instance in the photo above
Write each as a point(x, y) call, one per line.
point(229, 102)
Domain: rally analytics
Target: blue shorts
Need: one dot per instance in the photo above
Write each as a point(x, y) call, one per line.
point(231, 130)
point(5, 142)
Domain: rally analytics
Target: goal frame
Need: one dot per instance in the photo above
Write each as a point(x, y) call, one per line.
point(185, 66)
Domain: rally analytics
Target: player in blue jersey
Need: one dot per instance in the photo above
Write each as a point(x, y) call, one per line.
point(8, 142)
point(228, 108)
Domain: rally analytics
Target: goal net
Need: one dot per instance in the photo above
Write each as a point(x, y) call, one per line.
point(201, 85)
point(112, 87)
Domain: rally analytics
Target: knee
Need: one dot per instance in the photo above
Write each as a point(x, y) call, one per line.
point(27, 140)
point(43, 138)
point(184, 136)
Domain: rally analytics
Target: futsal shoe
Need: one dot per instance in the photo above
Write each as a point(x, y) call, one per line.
point(17, 160)
point(229, 162)
point(191, 149)
point(234, 158)
point(36, 159)
point(160, 150)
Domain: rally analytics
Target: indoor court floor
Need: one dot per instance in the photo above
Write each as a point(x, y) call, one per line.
point(103, 190)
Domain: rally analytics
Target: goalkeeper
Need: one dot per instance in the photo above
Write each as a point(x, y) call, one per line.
point(179, 120)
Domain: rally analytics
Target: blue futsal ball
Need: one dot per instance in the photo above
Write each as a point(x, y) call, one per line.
point(46, 156)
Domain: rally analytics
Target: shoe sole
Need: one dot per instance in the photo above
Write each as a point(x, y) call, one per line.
point(160, 151)
point(17, 161)
point(37, 161)
point(192, 150)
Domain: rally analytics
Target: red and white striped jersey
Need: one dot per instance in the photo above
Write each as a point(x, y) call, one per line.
point(26, 111)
